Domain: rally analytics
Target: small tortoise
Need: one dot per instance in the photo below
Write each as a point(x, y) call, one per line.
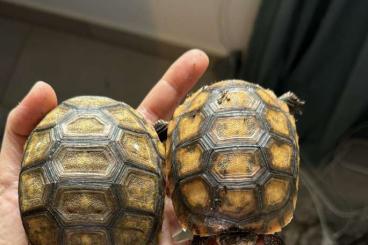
point(233, 161)
point(91, 174)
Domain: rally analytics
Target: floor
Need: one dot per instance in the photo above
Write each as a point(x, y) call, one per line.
point(73, 65)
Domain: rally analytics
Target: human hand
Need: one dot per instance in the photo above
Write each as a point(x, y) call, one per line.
point(21, 121)
point(160, 103)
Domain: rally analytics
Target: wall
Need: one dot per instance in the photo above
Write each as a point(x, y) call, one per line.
point(218, 26)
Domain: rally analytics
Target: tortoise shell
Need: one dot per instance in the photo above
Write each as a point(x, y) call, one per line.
point(91, 174)
point(233, 160)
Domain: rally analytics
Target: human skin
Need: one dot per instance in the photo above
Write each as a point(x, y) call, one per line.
point(159, 103)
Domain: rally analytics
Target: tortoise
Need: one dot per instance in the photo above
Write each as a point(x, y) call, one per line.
point(92, 174)
point(232, 159)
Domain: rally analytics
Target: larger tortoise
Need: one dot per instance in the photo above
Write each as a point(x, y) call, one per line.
point(91, 174)
point(233, 160)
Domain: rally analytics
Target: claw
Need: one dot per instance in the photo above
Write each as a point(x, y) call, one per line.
point(183, 235)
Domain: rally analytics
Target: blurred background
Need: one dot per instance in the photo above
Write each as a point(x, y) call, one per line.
point(118, 48)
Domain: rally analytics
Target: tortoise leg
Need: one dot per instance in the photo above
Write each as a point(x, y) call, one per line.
point(197, 240)
point(239, 238)
point(294, 103)
point(161, 129)
point(272, 240)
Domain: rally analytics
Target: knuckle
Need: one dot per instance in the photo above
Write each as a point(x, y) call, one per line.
point(11, 116)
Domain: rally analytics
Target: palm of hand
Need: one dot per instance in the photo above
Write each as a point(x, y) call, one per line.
point(176, 82)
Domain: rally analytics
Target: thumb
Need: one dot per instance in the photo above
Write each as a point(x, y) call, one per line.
point(21, 121)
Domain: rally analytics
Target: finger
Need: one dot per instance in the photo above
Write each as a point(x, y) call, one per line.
point(182, 75)
point(171, 216)
point(170, 224)
point(23, 118)
point(165, 238)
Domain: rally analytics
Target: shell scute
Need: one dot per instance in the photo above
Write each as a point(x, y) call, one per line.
point(249, 176)
point(91, 173)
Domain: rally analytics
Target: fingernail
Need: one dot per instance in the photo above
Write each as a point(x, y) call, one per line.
point(37, 84)
point(198, 52)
